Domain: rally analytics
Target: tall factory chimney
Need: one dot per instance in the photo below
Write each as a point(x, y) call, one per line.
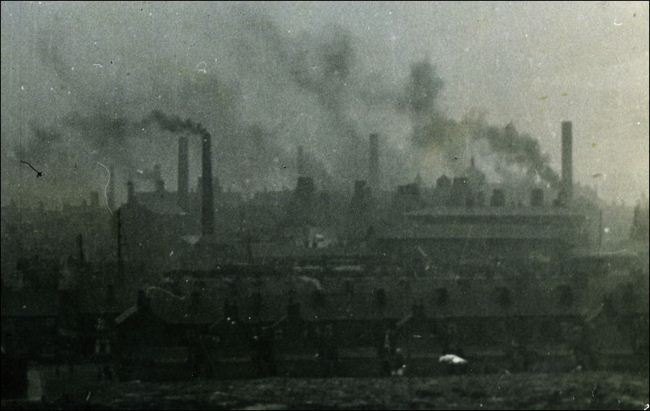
point(110, 192)
point(207, 201)
point(120, 256)
point(130, 192)
point(183, 174)
point(373, 162)
point(567, 163)
point(300, 161)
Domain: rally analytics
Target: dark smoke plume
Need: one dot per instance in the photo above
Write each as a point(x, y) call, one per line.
point(519, 149)
point(175, 124)
point(269, 93)
point(431, 129)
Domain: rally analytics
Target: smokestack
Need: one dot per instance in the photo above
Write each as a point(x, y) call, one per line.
point(207, 201)
point(130, 192)
point(120, 257)
point(110, 194)
point(373, 162)
point(300, 161)
point(183, 174)
point(567, 162)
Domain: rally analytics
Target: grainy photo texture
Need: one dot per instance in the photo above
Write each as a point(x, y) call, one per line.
point(324, 205)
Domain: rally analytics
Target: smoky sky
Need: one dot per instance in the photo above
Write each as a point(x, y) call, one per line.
point(440, 83)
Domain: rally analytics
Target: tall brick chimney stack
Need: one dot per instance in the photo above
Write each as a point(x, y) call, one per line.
point(373, 162)
point(207, 200)
point(183, 174)
point(567, 163)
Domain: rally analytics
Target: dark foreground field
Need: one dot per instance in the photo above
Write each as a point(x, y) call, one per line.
point(596, 390)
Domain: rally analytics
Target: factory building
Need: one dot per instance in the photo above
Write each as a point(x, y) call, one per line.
point(457, 224)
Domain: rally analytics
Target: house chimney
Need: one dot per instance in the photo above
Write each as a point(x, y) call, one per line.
point(160, 185)
point(305, 188)
point(537, 197)
point(94, 199)
point(143, 300)
point(80, 247)
point(359, 187)
point(207, 201)
point(183, 174)
point(157, 174)
point(373, 162)
point(567, 163)
point(459, 192)
point(300, 161)
point(498, 198)
point(480, 199)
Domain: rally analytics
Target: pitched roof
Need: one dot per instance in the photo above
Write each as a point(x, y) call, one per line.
point(287, 250)
point(326, 298)
point(493, 212)
point(477, 231)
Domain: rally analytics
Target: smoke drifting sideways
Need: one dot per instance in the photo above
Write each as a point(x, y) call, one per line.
point(278, 92)
point(511, 155)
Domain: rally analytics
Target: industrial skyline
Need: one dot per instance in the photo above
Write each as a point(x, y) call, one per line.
point(319, 87)
point(211, 205)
